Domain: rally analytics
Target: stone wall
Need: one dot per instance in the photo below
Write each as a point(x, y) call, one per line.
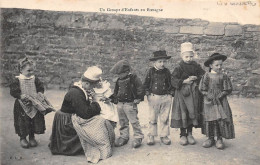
point(63, 44)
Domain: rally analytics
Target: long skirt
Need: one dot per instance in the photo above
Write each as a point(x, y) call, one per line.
point(24, 125)
point(64, 139)
point(225, 126)
point(96, 136)
point(186, 109)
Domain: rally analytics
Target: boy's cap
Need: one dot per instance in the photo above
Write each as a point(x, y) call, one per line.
point(186, 47)
point(215, 56)
point(92, 74)
point(161, 54)
point(121, 66)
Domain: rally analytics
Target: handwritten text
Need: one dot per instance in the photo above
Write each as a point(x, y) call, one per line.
point(237, 3)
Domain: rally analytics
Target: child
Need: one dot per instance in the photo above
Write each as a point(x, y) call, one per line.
point(217, 114)
point(30, 105)
point(101, 95)
point(158, 90)
point(186, 104)
point(128, 92)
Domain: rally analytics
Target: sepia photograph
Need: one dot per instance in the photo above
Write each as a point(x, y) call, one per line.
point(115, 82)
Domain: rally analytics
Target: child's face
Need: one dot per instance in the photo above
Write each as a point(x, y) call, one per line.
point(87, 85)
point(187, 57)
point(160, 63)
point(28, 70)
point(99, 85)
point(123, 75)
point(216, 65)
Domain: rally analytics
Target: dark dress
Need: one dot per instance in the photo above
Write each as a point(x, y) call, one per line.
point(64, 139)
point(187, 102)
point(217, 110)
point(24, 125)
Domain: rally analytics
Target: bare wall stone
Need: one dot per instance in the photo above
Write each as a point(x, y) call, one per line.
point(233, 30)
point(191, 29)
point(63, 21)
point(215, 29)
point(115, 24)
point(253, 29)
point(171, 29)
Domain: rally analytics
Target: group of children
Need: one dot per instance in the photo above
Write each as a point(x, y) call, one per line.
point(194, 97)
point(200, 99)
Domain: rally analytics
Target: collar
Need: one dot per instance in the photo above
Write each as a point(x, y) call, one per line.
point(23, 77)
point(157, 68)
point(212, 71)
point(125, 77)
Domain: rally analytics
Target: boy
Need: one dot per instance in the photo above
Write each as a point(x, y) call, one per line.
point(158, 90)
point(128, 92)
point(187, 99)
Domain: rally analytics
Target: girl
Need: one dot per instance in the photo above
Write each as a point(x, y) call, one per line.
point(30, 105)
point(187, 100)
point(217, 115)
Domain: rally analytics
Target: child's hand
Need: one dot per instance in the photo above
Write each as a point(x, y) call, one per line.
point(108, 100)
point(91, 92)
point(221, 95)
point(147, 93)
point(193, 78)
point(40, 96)
point(105, 99)
point(137, 101)
point(204, 93)
point(210, 96)
point(187, 81)
point(23, 97)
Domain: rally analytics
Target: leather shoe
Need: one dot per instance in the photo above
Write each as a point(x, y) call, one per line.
point(191, 139)
point(208, 143)
point(219, 144)
point(120, 142)
point(183, 140)
point(137, 143)
point(165, 140)
point(32, 142)
point(24, 143)
point(150, 140)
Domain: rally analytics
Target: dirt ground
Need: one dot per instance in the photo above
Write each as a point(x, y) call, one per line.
point(243, 149)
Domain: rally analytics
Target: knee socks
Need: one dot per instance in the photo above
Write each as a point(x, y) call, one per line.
point(186, 131)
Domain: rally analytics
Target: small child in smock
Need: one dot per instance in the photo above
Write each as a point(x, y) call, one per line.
point(30, 105)
point(102, 94)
